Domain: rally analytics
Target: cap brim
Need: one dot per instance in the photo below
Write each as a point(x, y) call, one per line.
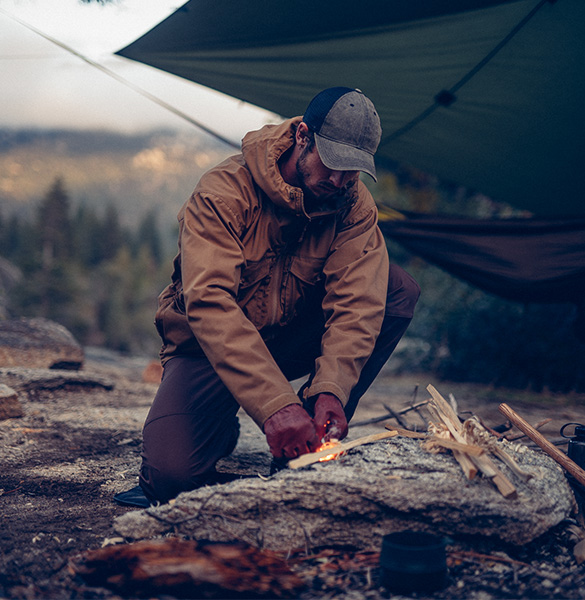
point(341, 157)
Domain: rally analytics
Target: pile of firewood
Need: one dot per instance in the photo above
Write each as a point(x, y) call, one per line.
point(471, 443)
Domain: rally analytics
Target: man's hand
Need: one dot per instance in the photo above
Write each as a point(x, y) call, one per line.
point(291, 432)
point(330, 420)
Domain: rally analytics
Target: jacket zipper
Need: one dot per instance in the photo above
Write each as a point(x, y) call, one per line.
point(278, 274)
point(281, 269)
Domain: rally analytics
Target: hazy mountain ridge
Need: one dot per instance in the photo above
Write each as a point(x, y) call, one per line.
point(135, 172)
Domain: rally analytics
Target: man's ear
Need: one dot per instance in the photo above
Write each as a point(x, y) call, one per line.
point(301, 136)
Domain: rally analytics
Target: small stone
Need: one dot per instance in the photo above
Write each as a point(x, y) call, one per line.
point(10, 406)
point(152, 373)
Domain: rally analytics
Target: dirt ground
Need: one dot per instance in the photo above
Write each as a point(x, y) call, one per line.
point(75, 448)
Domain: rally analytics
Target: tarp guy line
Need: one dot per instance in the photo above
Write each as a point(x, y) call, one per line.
point(125, 82)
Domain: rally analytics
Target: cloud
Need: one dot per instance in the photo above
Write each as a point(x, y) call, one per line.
point(48, 87)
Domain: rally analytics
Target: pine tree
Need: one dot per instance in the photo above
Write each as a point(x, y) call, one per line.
point(54, 225)
point(148, 236)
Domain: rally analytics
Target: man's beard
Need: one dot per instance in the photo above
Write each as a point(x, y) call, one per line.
point(340, 197)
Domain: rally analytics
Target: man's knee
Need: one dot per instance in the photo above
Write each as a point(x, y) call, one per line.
point(180, 453)
point(403, 293)
point(163, 484)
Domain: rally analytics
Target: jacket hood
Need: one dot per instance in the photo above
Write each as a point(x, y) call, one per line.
point(262, 149)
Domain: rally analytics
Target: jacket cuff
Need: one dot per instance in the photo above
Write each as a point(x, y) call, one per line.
point(260, 414)
point(326, 386)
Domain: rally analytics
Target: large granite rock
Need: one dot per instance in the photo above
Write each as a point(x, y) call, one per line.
point(38, 343)
point(34, 381)
point(371, 491)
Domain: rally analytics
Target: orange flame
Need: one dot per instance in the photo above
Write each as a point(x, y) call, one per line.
point(331, 444)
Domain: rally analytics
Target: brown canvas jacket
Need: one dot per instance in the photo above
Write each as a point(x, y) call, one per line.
point(249, 256)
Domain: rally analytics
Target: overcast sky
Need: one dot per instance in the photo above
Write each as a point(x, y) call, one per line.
point(45, 86)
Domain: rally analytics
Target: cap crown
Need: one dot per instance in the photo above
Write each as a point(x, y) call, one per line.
point(345, 115)
point(347, 128)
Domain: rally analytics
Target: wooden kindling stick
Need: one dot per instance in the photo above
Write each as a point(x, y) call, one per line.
point(313, 457)
point(572, 467)
point(444, 443)
point(482, 462)
point(469, 469)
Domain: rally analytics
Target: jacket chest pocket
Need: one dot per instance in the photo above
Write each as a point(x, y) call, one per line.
point(253, 289)
point(303, 284)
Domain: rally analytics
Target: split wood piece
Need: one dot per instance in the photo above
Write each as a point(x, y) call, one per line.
point(313, 457)
point(572, 467)
point(512, 464)
point(417, 435)
point(467, 466)
point(476, 431)
point(466, 448)
point(483, 462)
point(444, 443)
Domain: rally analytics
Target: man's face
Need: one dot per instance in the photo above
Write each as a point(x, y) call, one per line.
point(321, 184)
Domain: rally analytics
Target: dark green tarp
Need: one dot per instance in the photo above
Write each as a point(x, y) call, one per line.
point(526, 260)
point(486, 94)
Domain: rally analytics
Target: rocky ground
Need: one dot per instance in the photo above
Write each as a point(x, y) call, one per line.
point(75, 447)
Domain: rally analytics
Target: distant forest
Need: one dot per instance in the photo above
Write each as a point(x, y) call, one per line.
point(86, 271)
point(82, 268)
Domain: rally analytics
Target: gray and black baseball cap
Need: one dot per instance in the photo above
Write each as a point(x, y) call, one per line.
point(347, 129)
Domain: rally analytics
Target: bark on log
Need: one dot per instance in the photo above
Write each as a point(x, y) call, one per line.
point(370, 491)
point(188, 569)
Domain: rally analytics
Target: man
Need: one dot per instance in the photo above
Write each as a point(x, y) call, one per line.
point(281, 272)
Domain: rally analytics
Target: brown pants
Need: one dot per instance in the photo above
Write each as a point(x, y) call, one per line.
point(192, 422)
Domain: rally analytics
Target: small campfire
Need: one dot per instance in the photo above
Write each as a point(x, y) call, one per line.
point(334, 446)
point(336, 449)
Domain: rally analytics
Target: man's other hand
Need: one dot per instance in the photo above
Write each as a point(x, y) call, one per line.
point(330, 420)
point(291, 432)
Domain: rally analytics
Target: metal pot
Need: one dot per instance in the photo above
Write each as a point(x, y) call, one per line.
point(413, 561)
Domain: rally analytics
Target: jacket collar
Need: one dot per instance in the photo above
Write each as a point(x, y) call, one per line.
point(262, 149)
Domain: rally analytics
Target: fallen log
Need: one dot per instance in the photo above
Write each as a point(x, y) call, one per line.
point(378, 488)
